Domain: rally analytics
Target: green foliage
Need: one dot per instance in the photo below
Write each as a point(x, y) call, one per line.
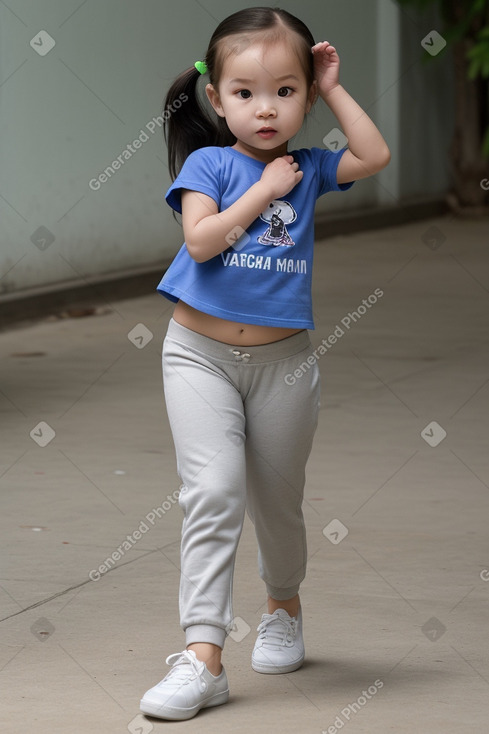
point(478, 55)
point(471, 25)
point(475, 14)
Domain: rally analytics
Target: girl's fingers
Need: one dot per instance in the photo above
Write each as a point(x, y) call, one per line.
point(324, 46)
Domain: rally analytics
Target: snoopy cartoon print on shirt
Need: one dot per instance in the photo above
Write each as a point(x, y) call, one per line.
point(277, 214)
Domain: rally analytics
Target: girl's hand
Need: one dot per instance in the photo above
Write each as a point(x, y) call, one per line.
point(281, 175)
point(326, 67)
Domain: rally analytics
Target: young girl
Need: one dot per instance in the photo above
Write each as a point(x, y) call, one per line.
point(242, 428)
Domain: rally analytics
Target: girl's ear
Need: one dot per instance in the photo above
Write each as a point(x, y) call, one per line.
point(214, 99)
point(312, 96)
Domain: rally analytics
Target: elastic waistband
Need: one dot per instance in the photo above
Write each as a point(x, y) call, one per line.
point(229, 353)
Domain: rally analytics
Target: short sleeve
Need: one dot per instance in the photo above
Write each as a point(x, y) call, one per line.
point(200, 172)
point(326, 162)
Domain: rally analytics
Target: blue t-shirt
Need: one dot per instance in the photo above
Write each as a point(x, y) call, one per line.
point(264, 277)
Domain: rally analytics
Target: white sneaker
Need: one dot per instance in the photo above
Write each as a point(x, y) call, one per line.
point(186, 689)
point(279, 647)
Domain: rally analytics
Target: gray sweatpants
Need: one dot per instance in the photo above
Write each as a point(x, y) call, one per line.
point(242, 426)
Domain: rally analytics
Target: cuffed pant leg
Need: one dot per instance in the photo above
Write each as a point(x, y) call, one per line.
point(206, 416)
point(281, 420)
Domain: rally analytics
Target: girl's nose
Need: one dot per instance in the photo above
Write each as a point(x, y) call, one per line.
point(265, 109)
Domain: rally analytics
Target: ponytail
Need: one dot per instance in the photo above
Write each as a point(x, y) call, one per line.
point(187, 125)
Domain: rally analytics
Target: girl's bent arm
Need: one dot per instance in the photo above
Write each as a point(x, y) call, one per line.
point(367, 150)
point(206, 229)
point(208, 232)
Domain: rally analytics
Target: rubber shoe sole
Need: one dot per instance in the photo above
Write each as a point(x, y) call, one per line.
point(186, 689)
point(163, 711)
point(276, 669)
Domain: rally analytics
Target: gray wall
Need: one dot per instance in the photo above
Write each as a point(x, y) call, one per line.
point(65, 116)
point(426, 90)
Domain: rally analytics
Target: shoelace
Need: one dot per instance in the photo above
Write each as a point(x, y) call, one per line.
point(179, 672)
point(276, 629)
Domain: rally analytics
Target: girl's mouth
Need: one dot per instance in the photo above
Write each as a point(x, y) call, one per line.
point(266, 132)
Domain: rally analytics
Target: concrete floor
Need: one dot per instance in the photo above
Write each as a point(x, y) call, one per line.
point(397, 607)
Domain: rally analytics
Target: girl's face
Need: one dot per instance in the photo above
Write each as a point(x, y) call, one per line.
point(263, 96)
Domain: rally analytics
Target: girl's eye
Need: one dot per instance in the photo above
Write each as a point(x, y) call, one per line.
point(244, 93)
point(284, 91)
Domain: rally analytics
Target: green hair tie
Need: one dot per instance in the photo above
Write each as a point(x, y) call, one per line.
point(201, 67)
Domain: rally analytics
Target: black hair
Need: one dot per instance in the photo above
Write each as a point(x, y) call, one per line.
point(187, 124)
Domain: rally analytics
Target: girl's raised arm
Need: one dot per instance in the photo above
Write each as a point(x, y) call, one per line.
point(367, 150)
